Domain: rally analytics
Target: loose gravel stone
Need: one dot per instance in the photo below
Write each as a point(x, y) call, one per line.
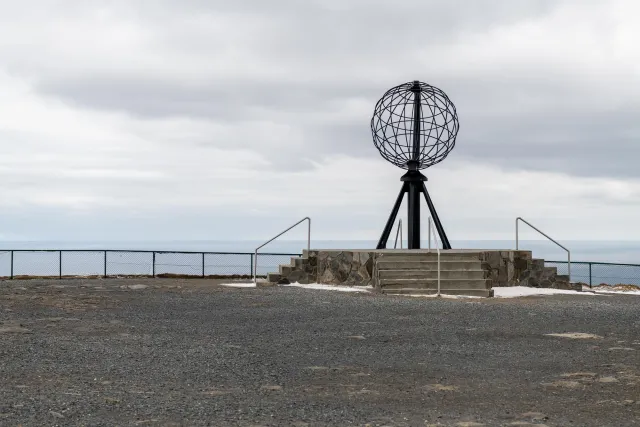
point(191, 352)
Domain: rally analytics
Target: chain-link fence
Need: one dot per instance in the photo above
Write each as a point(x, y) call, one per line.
point(105, 263)
point(599, 273)
point(41, 263)
point(5, 262)
point(109, 263)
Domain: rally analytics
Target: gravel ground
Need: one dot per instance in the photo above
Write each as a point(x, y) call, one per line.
point(190, 352)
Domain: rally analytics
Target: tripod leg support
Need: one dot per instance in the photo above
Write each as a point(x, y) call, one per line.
point(382, 243)
point(436, 220)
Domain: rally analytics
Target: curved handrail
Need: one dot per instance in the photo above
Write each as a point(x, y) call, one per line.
point(255, 261)
point(568, 251)
point(432, 229)
point(399, 231)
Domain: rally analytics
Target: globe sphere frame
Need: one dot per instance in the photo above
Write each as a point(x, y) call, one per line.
point(414, 125)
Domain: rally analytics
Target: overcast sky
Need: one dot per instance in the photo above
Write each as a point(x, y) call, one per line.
point(206, 119)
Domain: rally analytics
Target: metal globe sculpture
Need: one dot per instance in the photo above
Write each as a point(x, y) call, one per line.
point(414, 122)
point(414, 126)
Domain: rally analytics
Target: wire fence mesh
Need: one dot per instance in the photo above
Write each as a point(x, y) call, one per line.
point(229, 264)
point(106, 263)
point(36, 263)
point(600, 273)
point(83, 263)
point(5, 263)
point(123, 263)
point(176, 263)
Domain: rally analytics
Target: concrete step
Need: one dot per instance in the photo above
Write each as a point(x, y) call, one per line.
point(538, 263)
point(264, 283)
point(433, 284)
point(432, 274)
point(429, 256)
point(296, 261)
point(390, 264)
point(421, 291)
point(285, 270)
point(273, 277)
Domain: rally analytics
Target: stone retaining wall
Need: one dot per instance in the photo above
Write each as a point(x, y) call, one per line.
point(519, 268)
point(355, 268)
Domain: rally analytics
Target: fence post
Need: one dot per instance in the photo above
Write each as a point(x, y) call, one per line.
point(590, 283)
point(60, 264)
point(153, 265)
point(251, 270)
point(11, 276)
point(105, 264)
point(202, 264)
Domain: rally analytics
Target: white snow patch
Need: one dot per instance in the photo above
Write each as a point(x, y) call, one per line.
point(318, 286)
point(575, 335)
point(525, 291)
point(618, 292)
point(239, 285)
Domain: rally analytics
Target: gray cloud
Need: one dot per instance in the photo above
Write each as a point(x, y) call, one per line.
point(584, 141)
point(186, 89)
point(327, 53)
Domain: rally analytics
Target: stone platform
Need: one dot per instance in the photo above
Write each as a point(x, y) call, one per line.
point(462, 271)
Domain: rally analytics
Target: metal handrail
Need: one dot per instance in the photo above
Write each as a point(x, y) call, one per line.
point(376, 272)
point(255, 263)
point(431, 228)
point(139, 251)
point(399, 231)
point(568, 251)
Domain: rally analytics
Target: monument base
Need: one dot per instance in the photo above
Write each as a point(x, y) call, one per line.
point(462, 271)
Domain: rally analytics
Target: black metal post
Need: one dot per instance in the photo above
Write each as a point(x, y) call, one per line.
point(414, 177)
point(11, 276)
point(413, 216)
point(251, 271)
point(202, 264)
point(436, 219)
point(382, 243)
point(153, 265)
point(105, 264)
point(60, 264)
point(416, 121)
point(590, 283)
